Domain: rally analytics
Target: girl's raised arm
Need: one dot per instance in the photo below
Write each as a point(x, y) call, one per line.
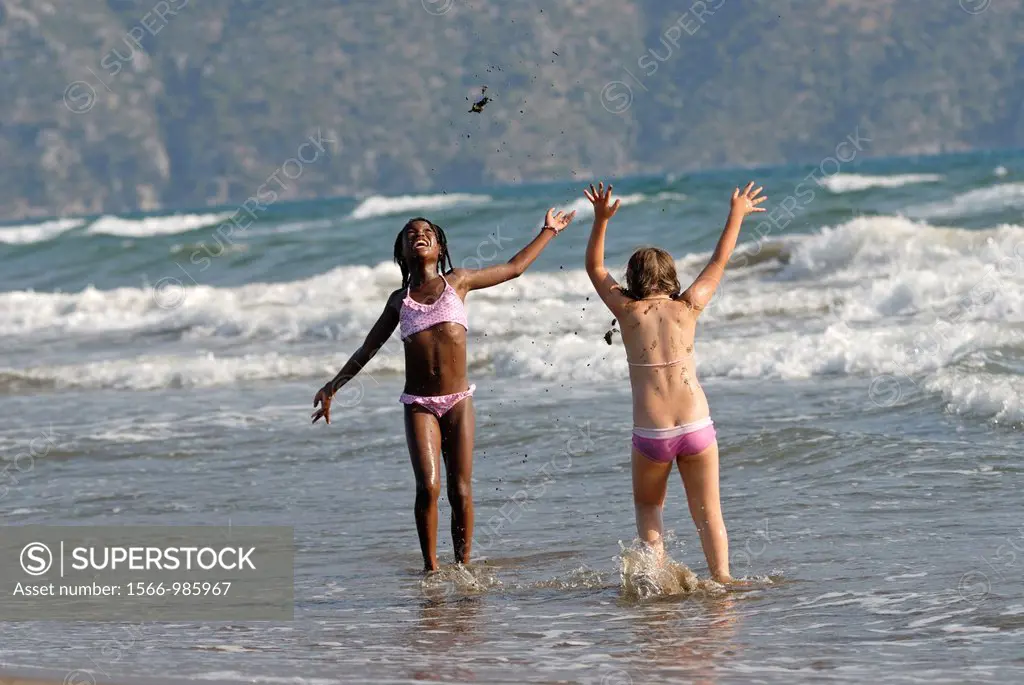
point(605, 284)
point(476, 279)
point(744, 203)
point(375, 339)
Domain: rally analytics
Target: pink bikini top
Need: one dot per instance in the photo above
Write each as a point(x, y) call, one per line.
point(415, 316)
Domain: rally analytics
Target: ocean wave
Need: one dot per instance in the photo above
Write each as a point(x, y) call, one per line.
point(883, 244)
point(840, 349)
point(914, 356)
point(256, 310)
point(765, 252)
point(37, 233)
point(877, 295)
point(868, 269)
point(202, 370)
point(873, 269)
point(153, 225)
point(852, 183)
point(976, 202)
point(583, 207)
point(379, 205)
point(997, 398)
point(802, 352)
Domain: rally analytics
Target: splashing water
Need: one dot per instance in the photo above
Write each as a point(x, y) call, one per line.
point(458, 579)
point(582, 578)
point(645, 573)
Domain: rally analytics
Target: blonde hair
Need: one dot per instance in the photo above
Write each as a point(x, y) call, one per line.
point(650, 271)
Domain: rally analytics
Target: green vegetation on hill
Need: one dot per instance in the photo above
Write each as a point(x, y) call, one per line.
point(214, 97)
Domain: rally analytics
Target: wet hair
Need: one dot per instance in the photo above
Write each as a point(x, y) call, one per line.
point(651, 270)
point(444, 260)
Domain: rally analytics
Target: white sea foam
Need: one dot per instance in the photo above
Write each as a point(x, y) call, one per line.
point(996, 198)
point(153, 225)
point(298, 226)
point(583, 207)
point(878, 295)
point(670, 197)
point(37, 233)
point(200, 370)
point(852, 183)
point(379, 205)
point(1000, 398)
point(867, 269)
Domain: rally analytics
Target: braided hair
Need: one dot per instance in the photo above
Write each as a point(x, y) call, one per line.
point(444, 260)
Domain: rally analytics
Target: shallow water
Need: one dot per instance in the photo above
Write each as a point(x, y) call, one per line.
point(871, 467)
point(882, 545)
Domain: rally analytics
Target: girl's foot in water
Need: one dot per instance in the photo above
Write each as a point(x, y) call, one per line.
point(655, 551)
point(728, 581)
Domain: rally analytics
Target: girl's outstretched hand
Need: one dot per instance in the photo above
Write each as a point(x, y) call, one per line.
point(746, 201)
point(557, 221)
point(323, 398)
point(602, 201)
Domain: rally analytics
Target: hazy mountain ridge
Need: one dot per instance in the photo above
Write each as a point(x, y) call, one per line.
point(221, 94)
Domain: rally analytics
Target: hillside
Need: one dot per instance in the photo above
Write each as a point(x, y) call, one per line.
point(214, 97)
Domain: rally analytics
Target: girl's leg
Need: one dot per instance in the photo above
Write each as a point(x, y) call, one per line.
point(458, 430)
point(650, 482)
point(700, 478)
point(423, 436)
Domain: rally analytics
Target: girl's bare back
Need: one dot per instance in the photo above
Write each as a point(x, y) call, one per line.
point(658, 334)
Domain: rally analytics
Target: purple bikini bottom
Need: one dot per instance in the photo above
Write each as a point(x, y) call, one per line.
point(663, 445)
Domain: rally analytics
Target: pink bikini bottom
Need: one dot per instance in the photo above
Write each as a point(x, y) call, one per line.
point(439, 405)
point(663, 445)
